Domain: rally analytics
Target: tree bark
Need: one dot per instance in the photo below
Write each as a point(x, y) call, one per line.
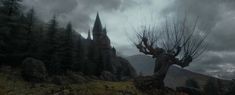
point(162, 65)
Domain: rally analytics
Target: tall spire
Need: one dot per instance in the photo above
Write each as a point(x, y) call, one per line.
point(97, 29)
point(97, 21)
point(89, 35)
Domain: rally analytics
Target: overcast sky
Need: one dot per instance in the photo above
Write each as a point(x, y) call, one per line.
point(123, 17)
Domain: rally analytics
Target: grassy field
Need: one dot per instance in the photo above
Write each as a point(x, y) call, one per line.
point(12, 85)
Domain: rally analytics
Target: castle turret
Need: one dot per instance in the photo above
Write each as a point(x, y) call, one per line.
point(89, 35)
point(105, 31)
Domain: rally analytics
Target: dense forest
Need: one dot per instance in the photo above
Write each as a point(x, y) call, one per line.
point(24, 37)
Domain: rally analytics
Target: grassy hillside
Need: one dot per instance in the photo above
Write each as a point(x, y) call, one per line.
point(10, 86)
point(13, 84)
point(177, 77)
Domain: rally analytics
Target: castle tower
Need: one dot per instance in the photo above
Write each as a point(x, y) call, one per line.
point(97, 29)
point(100, 37)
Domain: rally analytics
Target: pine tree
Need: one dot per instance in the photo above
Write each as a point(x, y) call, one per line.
point(50, 48)
point(52, 31)
point(79, 51)
point(68, 48)
point(11, 7)
point(30, 20)
point(12, 34)
point(10, 13)
point(30, 35)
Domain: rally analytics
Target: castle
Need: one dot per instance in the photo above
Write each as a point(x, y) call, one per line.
point(100, 56)
point(99, 48)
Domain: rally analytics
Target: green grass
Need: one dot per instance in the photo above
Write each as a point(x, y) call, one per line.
point(105, 88)
point(11, 85)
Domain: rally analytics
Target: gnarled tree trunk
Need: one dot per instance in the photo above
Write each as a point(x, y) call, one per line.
point(162, 64)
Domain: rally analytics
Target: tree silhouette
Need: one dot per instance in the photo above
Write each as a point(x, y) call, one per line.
point(12, 46)
point(11, 7)
point(68, 48)
point(175, 43)
point(30, 21)
point(51, 47)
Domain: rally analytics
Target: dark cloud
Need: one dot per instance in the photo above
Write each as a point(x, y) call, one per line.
point(215, 63)
point(47, 8)
point(222, 38)
point(216, 16)
point(207, 10)
point(76, 11)
point(59, 6)
point(103, 4)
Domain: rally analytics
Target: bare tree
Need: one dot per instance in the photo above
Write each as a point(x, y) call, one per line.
point(174, 43)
